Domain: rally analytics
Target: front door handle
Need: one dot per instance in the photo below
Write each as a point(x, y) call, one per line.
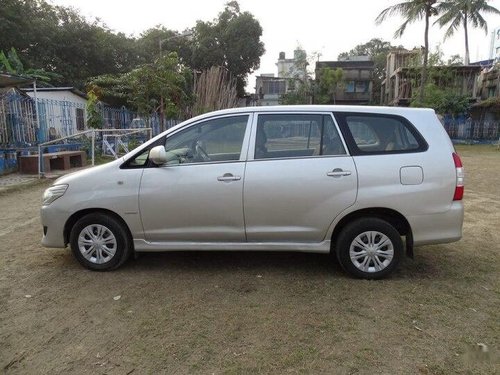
point(228, 177)
point(338, 172)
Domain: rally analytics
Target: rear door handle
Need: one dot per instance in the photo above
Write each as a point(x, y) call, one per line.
point(338, 172)
point(227, 177)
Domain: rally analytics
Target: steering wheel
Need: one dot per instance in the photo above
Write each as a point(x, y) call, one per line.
point(199, 150)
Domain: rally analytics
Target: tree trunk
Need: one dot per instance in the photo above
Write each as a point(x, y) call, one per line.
point(426, 56)
point(466, 60)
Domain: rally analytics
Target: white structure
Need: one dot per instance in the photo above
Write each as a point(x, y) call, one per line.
point(61, 110)
point(291, 72)
point(495, 44)
point(292, 68)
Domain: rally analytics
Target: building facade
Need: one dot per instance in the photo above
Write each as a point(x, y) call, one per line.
point(269, 89)
point(357, 85)
point(403, 77)
point(61, 110)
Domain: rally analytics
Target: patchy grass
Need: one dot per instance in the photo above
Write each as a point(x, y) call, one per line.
point(251, 313)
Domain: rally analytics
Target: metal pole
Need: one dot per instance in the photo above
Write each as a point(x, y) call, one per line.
point(36, 109)
point(93, 147)
point(40, 162)
point(40, 153)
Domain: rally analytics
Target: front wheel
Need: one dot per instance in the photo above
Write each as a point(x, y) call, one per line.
point(99, 242)
point(369, 248)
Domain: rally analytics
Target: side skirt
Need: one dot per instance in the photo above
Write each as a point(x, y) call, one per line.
point(307, 247)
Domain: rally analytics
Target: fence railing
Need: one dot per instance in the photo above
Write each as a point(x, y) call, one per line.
point(57, 119)
point(90, 136)
point(474, 131)
point(19, 128)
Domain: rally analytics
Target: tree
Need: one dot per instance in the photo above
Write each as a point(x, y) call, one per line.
point(413, 10)
point(231, 41)
point(164, 86)
point(60, 40)
point(160, 41)
point(11, 63)
point(328, 81)
point(94, 117)
point(442, 100)
point(377, 49)
point(457, 13)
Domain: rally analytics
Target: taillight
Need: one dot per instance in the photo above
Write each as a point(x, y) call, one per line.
point(459, 185)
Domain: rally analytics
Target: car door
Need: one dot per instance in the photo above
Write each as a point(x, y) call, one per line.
point(197, 195)
point(298, 179)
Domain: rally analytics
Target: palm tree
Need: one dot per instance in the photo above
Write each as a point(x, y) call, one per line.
point(413, 10)
point(456, 13)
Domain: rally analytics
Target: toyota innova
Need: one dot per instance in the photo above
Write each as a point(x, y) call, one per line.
point(366, 184)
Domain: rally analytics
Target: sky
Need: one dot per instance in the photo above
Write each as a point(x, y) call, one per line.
point(324, 27)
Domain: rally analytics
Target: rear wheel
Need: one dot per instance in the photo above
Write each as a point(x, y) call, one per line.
point(369, 248)
point(99, 242)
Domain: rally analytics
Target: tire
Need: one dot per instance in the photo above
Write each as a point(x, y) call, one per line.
point(369, 248)
point(104, 231)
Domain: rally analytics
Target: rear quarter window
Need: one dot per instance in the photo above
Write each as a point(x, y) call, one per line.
point(368, 134)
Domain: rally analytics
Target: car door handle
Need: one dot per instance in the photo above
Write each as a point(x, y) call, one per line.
point(228, 177)
point(338, 172)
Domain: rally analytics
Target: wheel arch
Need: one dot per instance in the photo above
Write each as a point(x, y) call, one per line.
point(79, 214)
point(393, 217)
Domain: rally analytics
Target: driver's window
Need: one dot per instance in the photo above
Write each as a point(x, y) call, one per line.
point(219, 139)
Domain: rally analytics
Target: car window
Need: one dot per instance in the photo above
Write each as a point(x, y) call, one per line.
point(218, 139)
point(139, 160)
point(296, 135)
point(381, 134)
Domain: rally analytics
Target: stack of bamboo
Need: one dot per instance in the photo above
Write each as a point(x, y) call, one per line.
point(214, 89)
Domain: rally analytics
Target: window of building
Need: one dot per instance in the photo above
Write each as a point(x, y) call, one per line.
point(274, 87)
point(357, 86)
point(80, 119)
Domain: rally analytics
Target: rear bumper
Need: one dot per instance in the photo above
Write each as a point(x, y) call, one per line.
point(438, 228)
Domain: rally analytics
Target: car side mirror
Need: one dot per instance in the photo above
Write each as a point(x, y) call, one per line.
point(158, 155)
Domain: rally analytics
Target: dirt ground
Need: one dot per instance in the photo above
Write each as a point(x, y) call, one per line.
point(246, 313)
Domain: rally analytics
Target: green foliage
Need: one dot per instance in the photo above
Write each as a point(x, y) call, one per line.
point(94, 117)
point(411, 11)
point(232, 41)
point(460, 13)
point(11, 63)
point(300, 95)
point(442, 100)
point(144, 87)
point(328, 81)
point(159, 41)
point(59, 40)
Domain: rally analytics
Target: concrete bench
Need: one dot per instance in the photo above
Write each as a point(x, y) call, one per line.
point(52, 161)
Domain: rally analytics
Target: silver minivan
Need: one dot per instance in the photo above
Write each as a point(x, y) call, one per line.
point(364, 183)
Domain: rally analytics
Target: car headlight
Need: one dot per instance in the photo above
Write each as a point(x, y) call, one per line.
point(52, 193)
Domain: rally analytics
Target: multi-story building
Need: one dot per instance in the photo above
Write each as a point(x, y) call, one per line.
point(357, 85)
point(404, 71)
point(269, 89)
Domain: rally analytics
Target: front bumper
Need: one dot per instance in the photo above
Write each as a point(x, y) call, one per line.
point(53, 221)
